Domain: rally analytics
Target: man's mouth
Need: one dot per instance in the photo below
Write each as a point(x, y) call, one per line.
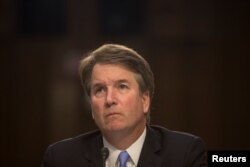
point(113, 114)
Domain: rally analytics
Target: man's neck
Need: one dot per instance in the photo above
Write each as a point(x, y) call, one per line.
point(124, 138)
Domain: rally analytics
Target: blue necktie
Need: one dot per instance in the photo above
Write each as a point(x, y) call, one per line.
point(123, 158)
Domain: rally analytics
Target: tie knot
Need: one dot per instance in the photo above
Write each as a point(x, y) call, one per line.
point(123, 158)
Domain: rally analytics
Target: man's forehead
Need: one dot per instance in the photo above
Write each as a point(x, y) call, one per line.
point(112, 70)
point(120, 79)
point(118, 64)
point(105, 72)
point(104, 84)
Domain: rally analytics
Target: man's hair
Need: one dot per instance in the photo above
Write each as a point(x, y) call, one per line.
point(121, 55)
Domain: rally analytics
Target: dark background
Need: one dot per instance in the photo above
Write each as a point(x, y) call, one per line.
point(198, 50)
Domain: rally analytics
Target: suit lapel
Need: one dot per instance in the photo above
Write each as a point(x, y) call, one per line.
point(150, 151)
point(149, 157)
point(93, 152)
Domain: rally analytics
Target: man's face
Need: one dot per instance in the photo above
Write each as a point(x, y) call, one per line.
point(116, 101)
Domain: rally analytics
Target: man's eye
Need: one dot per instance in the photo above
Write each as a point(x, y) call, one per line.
point(123, 86)
point(99, 91)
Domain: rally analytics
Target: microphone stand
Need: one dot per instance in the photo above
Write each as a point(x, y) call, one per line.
point(105, 154)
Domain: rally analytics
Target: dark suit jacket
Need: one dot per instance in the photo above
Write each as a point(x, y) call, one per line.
point(162, 148)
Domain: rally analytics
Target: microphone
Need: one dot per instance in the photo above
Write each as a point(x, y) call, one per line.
point(105, 154)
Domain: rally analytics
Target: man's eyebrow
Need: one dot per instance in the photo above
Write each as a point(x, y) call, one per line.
point(122, 80)
point(97, 84)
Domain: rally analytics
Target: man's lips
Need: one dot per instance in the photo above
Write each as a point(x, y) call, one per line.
point(112, 114)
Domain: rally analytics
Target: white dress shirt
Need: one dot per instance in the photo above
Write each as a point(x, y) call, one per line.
point(134, 152)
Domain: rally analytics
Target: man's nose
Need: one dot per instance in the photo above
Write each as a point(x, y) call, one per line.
point(110, 98)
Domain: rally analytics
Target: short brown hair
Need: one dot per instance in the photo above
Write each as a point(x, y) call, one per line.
point(117, 54)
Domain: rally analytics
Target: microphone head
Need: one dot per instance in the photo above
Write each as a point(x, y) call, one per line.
point(104, 153)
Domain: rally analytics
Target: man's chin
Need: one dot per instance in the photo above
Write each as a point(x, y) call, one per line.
point(115, 127)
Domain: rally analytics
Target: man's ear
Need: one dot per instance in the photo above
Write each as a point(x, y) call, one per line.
point(145, 101)
point(92, 115)
point(90, 105)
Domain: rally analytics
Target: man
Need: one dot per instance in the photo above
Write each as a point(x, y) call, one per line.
point(119, 85)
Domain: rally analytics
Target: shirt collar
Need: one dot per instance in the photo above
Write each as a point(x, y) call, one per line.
point(134, 150)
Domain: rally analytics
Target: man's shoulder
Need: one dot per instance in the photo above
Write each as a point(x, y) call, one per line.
point(76, 151)
point(82, 139)
point(175, 143)
point(175, 148)
point(170, 136)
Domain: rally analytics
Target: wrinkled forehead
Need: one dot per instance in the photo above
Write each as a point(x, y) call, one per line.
point(114, 71)
point(123, 65)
